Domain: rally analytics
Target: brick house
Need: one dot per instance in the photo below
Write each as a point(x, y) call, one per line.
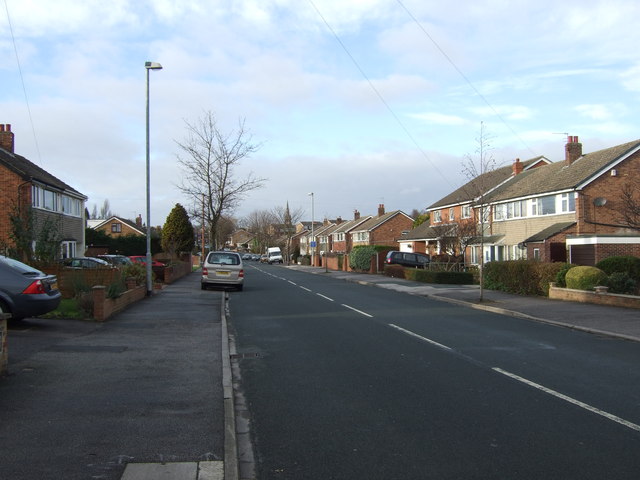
point(454, 219)
point(341, 235)
point(383, 229)
point(568, 211)
point(571, 210)
point(25, 187)
point(119, 227)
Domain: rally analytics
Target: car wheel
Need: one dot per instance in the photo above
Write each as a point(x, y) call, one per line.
point(240, 287)
point(203, 286)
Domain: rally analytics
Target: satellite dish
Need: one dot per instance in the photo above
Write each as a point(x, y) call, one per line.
point(599, 201)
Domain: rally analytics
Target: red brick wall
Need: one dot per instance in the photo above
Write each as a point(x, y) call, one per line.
point(10, 183)
point(591, 217)
point(612, 250)
point(390, 231)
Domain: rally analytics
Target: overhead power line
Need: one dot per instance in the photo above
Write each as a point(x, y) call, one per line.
point(465, 78)
point(378, 94)
point(24, 88)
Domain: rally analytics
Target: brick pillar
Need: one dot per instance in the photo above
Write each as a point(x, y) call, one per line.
point(99, 293)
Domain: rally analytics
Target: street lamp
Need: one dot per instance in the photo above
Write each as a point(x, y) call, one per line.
point(149, 66)
point(312, 237)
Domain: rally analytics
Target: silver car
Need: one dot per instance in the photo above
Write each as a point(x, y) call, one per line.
point(223, 269)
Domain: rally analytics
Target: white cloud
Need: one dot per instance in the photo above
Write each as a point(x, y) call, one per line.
point(439, 118)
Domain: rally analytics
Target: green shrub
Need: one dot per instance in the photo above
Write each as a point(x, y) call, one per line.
point(138, 272)
point(360, 257)
point(621, 282)
point(523, 277)
point(547, 273)
point(394, 271)
point(441, 277)
point(621, 264)
point(562, 273)
point(585, 278)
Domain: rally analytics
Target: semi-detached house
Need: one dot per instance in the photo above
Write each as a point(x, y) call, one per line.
point(573, 210)
point(27, 188)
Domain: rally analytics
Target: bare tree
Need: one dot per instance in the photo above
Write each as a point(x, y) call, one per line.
point(286, 221)
point(630, 211)
point(476, 169)
point(210, 163)
point(258, 223)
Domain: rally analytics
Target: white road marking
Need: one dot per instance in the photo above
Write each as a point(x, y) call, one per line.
point(325, 297)
point(561, 396)
point(420, 337)
point(358, 311)
point(304, 288)
point(292, 283)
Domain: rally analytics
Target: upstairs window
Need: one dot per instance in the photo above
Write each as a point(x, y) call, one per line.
point(116, 227)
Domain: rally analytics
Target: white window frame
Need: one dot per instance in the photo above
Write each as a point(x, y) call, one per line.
point(466, 211)
point(437, 216)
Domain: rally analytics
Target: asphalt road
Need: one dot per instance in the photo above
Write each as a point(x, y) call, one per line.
point(345, 381)
point(84, 399)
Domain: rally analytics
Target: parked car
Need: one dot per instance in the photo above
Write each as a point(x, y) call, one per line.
point(116, 260)
point(224, 269)
point(407, 259)
point(142, 259)
point(26, 291)
point(264, 258)
point(85, 262)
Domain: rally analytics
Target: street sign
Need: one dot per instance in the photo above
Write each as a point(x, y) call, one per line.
point(314, 244)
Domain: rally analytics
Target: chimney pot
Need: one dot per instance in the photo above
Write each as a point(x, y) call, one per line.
point(517, 167)
point(572, 150)
point(6, 138)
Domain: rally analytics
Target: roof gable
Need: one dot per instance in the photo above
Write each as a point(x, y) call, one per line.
point(486, 182)
point(375, 222)
point(29, 171)
point(562, 177)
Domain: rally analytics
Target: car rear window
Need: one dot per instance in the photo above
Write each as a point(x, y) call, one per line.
point(224, 259)
point(21, 267)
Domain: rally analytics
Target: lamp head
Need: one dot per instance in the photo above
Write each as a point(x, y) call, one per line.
point(152, 66)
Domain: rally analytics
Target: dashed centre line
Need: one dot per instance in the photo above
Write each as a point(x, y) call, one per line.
point(325, 297)
point(420, 337)
point(573, 401)
point(357, 311)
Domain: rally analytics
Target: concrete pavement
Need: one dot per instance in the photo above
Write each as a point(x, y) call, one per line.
point(616, 322)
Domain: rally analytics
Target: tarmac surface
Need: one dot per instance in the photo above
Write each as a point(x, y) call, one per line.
point(58, 370)
point(616, 322)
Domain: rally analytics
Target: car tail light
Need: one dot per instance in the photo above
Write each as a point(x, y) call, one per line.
point(205, 271)
point(241, 274)
point(35, 287)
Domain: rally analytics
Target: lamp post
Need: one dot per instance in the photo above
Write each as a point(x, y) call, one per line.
point(312, 237)
point(149, 66)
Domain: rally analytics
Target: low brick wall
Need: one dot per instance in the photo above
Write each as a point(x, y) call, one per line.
point(599, 298)
point(104, 307)
point(176, 271)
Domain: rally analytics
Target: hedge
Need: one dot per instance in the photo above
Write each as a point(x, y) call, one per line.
point(524, 277)
point(430, 276)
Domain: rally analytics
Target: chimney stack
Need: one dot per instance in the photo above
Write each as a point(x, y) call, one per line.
point(381, 209)
point(356, 215)
point(6, 138)
point(573, 150)
point(139, 221)
point(517, 167)
point(338, 220)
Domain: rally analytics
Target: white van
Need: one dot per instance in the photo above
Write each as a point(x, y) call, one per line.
point(274, 255)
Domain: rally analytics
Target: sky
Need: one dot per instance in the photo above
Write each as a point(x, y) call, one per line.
point(362, 102)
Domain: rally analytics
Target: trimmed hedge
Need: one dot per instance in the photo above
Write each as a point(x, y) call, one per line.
point(524, 277)
point(585, 278)
point(430, 276)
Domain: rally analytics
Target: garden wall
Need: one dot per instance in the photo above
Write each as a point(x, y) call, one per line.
point(599, 298)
